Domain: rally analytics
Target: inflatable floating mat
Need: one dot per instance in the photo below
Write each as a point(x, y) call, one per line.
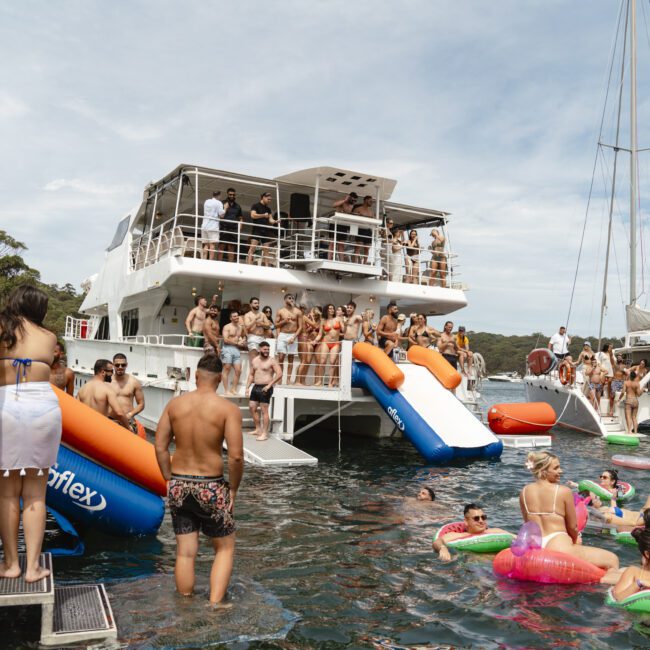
point(633, 462)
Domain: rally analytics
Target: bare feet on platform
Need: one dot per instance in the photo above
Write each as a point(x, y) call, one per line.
point(262, 437)
point(12, 571)
point(36, 574)
point(254, 433)
point(318, 383)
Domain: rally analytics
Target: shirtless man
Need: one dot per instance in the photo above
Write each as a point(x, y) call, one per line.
point(476, 523)
point(620, 372)
point(195, 321)
point(595, 374)
point(353, 323)
point(101, 397)
point(631, 391)
point(60, 375)
point(199, 498)
point(257, 326)
point(233, 341)
point(448, 346)
point(364, 236)
point(264, 372)
point(211, 331)
point(387, 329)
point(346, 206)
point(289, 323)
point(127, 388)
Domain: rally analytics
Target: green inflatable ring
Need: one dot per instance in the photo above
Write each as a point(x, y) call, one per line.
point(638, 603)
point(624, 538)
point(488, 543)
point(622, 439)
point(624, 495)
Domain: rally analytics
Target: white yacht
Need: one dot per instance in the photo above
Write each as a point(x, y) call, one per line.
point(574, 410)
point(512, 377)
point(153, 270)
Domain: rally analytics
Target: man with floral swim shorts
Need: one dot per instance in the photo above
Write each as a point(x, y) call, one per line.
point(199, 498)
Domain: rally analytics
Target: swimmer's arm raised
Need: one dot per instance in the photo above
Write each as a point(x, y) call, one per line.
point(163, 438)
point(234, 440)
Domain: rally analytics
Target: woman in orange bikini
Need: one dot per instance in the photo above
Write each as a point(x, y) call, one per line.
point(330, 342)
point(551, 506)
point(307, 344)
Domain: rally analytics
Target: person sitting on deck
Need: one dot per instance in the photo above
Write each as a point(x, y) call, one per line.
point(476, 523)
point(465, 355)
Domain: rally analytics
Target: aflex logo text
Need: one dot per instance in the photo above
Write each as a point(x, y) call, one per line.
point(392, 412)
point(80, 494)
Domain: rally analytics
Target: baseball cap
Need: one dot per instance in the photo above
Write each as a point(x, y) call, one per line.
point(587, 343)
point(461, 328)
point(401, 317)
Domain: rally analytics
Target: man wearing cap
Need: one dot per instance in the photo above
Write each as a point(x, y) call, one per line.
point(559, 343)
point(465, 356)
point(387, 331)
point(261, 218)
point(338, 231)
point(264, 372)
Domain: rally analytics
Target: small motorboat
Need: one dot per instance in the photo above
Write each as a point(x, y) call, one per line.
point(506, 377)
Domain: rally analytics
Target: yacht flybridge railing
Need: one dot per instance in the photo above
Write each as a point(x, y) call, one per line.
point(337, 238)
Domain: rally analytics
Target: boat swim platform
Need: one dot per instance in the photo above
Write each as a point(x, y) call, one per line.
point(69, 613)
point(274, 452)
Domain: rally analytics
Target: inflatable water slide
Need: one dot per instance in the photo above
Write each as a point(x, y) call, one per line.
point(105, 477)
point(417, 397)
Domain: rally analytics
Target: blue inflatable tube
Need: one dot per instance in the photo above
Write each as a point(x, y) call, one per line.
point(91, 495)
point(414, 428)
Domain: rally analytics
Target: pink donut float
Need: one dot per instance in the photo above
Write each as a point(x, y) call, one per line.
point(633, 462)
point(548, 567)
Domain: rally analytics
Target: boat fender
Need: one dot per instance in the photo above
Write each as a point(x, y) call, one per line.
point(486, 543)
point(639, 603)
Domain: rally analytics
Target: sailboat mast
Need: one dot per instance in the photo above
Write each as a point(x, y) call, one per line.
point(633, 152)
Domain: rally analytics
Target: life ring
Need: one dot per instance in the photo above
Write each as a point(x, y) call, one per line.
point(484, 543)
point(567, 373)
point(625, 491)
point(638, 602)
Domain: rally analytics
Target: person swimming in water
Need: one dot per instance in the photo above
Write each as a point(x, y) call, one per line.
point(551, 506)
point(635, 579)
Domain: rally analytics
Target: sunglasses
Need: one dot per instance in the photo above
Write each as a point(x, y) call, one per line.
point(478, 518)
point(119, 365)
point(604, 476)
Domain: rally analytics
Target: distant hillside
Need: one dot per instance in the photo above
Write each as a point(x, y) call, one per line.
point(504, 353)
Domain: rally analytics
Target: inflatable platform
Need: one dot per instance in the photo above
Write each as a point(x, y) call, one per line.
point(424, 410)
point(105, 478)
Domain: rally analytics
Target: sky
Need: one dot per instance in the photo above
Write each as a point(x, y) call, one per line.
point(490, 111)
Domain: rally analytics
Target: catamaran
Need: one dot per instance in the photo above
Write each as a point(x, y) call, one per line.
point(567, 394)
point(154, 269)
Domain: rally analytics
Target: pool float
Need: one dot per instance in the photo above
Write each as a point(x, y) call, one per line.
point(625, 493)
point(638, 603)
point(633, 462)
point(519, 418)
point(622, 439)
point(623, 537)
point(485, 543)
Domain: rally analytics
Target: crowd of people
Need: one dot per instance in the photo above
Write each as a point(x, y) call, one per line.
point(605, 375)
point(310, 338)
point(258, 229)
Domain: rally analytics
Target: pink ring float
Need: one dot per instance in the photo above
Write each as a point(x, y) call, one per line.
point(634, 462)
point(548, 567)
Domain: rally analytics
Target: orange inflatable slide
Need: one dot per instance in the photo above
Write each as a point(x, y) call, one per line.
point(437, 365)
point(380, 362)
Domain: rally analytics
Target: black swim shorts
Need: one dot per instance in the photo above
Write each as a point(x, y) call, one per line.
point(259, 395)
point(452, 359)
point(200, 503)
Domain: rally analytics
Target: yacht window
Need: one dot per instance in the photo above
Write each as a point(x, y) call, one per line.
point(103, 331)
point(121, 231)
point(130, 322)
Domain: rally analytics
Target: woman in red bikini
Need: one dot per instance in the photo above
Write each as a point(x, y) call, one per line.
point(330, 343)
point(307, 344)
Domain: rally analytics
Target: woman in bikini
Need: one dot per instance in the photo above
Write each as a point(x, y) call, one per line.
point(631, 391)
point(438, 264)
point(307, 343)
point(30, 427)
point(551, 506)
point(369, 327)
point(634, 578)
point(330, 345)
point(412, 250)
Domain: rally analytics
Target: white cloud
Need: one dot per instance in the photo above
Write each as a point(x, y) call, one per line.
point(87, 187)
point(11, 107)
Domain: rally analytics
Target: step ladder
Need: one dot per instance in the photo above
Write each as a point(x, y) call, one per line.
point(69, 613)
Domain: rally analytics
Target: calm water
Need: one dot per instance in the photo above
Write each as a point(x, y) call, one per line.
point(339, 556)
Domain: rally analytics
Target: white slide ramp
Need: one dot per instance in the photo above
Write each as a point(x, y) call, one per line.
point(442, 410)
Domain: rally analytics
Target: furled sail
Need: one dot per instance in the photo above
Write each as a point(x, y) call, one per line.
point(637, 318)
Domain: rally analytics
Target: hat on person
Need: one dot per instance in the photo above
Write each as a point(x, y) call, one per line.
point(586, 343)
point(401, 317)
point(461, 328)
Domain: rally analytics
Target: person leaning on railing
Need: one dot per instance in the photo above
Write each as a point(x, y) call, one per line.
point(438, 264)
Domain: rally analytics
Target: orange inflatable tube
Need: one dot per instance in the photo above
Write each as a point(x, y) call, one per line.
point(437, 365)
point(380, 362)
point(109, 444)
point(517, 418)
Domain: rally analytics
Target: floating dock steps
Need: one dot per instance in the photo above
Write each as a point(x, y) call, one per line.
point(69, 613)
point(526, 442)
point(274, 452)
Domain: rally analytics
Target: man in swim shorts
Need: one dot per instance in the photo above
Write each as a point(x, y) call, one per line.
point(475, 523)
point(199, 498)
point(616, 386)
point(257, 326)
point(194, 322)
point(289, 324)
point(60, 375)
point(128, 389)
point(264, 372)
point(98, 394)
point(387, 329)
point(233, 341)
point(352, 323)
point(448, 346)
point(211, 330)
